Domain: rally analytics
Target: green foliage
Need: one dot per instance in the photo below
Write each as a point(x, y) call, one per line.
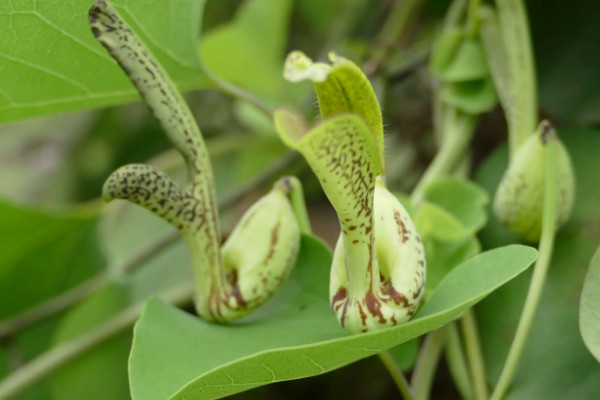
point(463, 199)
point(589, 319)
point(248, 50)
point(50, 64)
point(458, 60)
point(294, 335)
point(40, 75)
point(454, 211)
point(43, 253)
point(569, 369)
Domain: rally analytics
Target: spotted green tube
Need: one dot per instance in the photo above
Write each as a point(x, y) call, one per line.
point(231, 281)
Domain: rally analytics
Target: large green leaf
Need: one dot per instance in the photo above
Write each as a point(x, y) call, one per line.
point(589, 313)
point(178, 356)
point(51, 63)
point(43, 253)
point(555, 363)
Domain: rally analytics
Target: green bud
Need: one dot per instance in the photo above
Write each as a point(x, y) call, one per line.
point(259, 254)
point(519, 199)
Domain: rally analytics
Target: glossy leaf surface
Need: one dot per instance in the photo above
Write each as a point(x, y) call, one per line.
point(295, 335)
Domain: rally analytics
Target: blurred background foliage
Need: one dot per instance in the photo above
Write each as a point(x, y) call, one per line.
point(55, 233)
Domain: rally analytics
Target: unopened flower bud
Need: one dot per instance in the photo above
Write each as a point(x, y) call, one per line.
point(260, 252)
point(519, 200)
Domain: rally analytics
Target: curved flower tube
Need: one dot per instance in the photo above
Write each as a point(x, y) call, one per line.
point(257, 257)
point(378, 270)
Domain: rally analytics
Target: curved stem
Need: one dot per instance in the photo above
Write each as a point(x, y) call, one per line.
point(396, 374)
point(458, 130)
point(457, 363)
point(427, 362)
point(473, 347)
point(59, 355)
point(299, 205)
point(537, 280)
point(237, 92)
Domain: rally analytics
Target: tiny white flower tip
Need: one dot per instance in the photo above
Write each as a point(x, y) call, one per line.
point(299, 67)
point(334, 58)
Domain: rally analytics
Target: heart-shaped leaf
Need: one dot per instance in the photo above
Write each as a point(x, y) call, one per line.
point(51, 63)
point(295, 335)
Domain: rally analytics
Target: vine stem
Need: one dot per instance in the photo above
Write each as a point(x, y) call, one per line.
point(59, 355)
point(396, 22)
point(237, 92)
point(457, 362)
point(426, 365)
point(299, 206)
point(454, 14)
point(396, 374)
point(537, 280)
point(458, 130)
point(474, 355)
point(474, 17)
point(522, 113)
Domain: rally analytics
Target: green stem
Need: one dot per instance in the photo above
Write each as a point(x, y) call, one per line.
point(474, 17)
point(396, 374)
point(237, 92)
point(457, 363)
point(458, 130)
point(396, 22)
point(473, 347)
point(427, 362)
point(299, 205)
point(455, 13)
point(514, 28)
point(537, 280)
point(59, 355)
